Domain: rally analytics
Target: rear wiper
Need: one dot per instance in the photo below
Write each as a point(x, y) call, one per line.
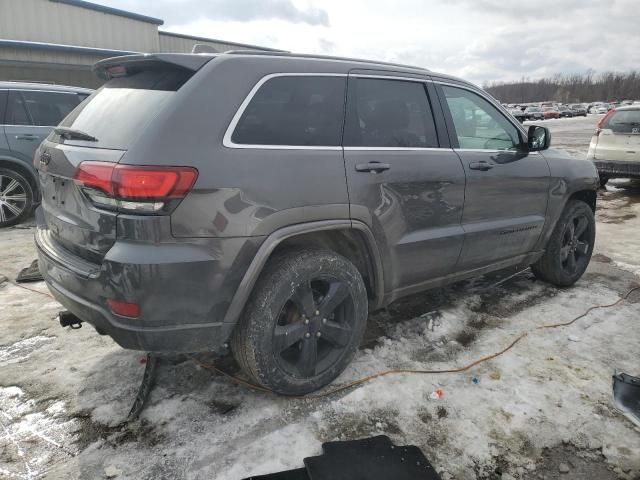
point(71, 134)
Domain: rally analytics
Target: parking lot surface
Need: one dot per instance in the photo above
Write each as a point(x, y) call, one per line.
point(541, 410)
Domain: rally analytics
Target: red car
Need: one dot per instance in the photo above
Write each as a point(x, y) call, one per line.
point(551, 113)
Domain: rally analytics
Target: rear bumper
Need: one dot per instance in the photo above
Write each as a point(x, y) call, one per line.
point(617, 169)
point(183, 290)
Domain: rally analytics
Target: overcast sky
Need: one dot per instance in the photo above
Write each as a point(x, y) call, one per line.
point(479, 40)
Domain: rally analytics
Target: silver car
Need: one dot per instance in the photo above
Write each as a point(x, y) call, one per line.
point(28, 112)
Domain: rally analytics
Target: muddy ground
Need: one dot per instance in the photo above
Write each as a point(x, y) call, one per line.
point(542, 410)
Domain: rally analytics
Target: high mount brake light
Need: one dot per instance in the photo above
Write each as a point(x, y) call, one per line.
point(134, 188)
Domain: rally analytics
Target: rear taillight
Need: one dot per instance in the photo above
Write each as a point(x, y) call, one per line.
point(603, 120)
point(130, 188)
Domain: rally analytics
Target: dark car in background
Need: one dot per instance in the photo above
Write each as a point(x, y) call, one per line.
point(565, 112)
point(28, 112)
point(534, 113)
point(578, 110)
point(267, 203)
point(518, 114)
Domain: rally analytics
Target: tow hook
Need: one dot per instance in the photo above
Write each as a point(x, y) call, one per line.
point(68, 319)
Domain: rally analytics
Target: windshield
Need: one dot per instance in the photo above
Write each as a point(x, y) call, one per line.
point(117, 113)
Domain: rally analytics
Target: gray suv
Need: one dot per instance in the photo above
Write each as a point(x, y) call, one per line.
point(28, 112)
point(267, 203)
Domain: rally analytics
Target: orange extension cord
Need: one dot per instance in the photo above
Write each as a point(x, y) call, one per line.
point(401, 371)
point(409, 371)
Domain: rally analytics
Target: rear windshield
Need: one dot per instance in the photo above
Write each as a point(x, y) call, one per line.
point(624, 121)
point(119, 111)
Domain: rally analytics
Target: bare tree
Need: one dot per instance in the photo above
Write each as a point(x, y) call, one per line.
point(569, 88)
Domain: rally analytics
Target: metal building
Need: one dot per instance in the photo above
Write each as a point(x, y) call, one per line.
point(58, 40)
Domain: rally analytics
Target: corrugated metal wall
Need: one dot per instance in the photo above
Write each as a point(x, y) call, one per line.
point(176, 44)
point(52, 22)
point(44, 56)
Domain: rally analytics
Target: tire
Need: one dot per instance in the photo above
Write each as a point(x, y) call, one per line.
point(570, 247)
point(603, 181)
point(291, 339)
point(16, 197)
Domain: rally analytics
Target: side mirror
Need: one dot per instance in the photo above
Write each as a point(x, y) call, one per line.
point(539, 138)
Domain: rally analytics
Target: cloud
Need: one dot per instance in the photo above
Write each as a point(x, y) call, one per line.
point(480, 40)
point(185, 11)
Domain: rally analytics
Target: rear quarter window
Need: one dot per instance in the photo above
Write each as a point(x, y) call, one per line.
point(294, 111)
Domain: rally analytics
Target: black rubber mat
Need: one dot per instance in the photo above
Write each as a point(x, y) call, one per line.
point(375, 458)
point(30, 274)
point(626, 396)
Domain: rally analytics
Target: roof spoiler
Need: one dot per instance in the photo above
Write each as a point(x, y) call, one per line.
point(108, 68)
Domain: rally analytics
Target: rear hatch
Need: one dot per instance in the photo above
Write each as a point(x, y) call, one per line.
point(79, 160)
point(618, 136)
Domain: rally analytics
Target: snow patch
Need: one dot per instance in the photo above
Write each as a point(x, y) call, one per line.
point(21, 350)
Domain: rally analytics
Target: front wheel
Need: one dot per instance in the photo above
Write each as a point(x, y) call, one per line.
point(570, 247)
point(303, 323)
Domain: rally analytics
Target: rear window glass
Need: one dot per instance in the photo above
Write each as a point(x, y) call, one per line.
point(624, 121)
point(294, 110)
point(119, 111)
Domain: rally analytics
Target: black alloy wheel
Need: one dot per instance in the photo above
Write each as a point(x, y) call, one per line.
point(314, 327)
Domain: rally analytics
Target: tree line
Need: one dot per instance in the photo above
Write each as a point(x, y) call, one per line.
point(571, 88)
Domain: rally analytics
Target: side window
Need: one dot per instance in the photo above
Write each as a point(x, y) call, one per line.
point(478, 124)
point(389, 113)
point(16, 110)
point(49, 108)
point(294, 110)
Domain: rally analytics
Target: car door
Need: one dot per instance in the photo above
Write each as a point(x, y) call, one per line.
point(31, 114)
point(4, 147)
point(404, 180)
point(507, 187)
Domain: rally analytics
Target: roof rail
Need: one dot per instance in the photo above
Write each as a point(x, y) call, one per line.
point(42, 82)
point(321, 57)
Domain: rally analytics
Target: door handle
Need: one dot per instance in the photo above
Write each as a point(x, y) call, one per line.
point(482, 165)
point(27, 137)
point(376, 167)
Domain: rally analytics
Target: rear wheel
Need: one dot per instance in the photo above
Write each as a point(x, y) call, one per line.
point(570, 247)
point(16, 197)
point(303, 323)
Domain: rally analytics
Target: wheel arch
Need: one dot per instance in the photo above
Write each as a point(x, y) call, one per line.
point(352, 239)
point(587, 196)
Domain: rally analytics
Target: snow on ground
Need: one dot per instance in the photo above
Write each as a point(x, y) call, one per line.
point(64, 395)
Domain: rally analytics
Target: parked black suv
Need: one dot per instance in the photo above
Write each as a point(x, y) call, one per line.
point(270, 201)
